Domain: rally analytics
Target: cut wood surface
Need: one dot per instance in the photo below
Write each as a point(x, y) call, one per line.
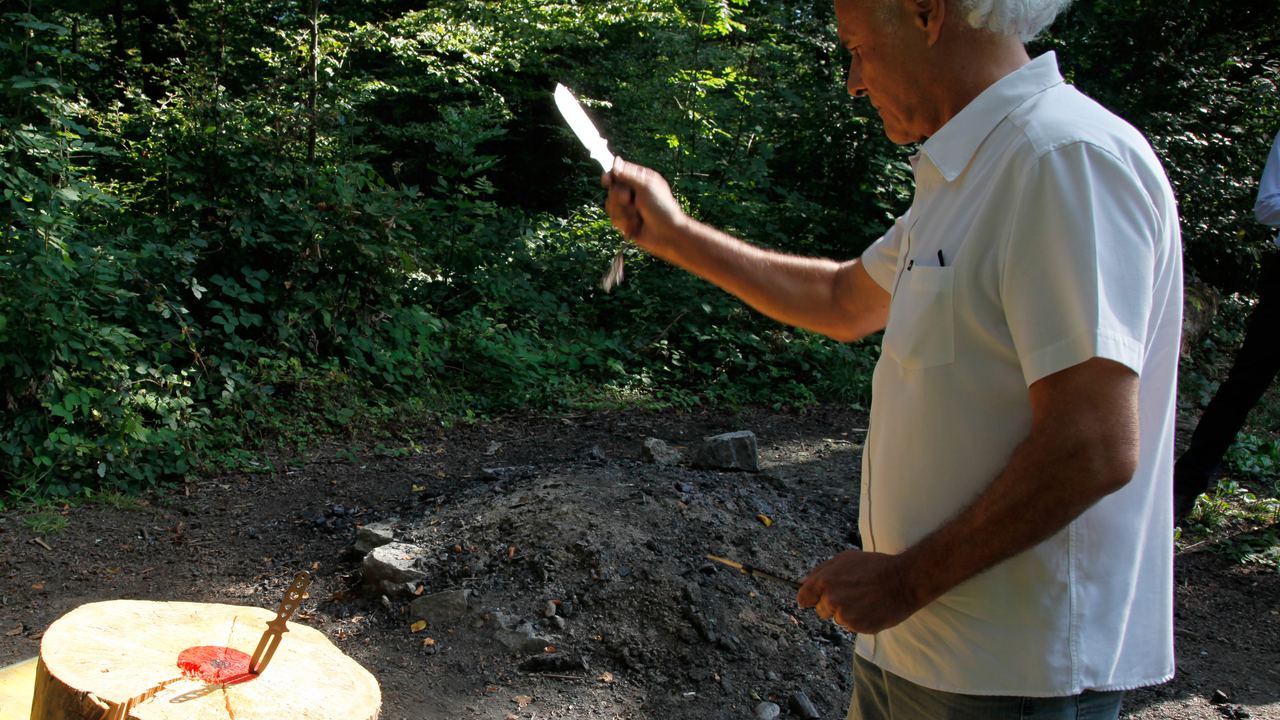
point(119, 660)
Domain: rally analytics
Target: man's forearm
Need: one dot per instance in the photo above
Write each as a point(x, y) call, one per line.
point(1061, 469)
point(813, 293)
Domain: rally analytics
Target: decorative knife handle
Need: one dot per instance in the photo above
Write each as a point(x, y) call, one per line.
point(293, 596)
point(279, 626)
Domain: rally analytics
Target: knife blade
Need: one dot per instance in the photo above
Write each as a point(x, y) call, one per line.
point(279, 626)
point(757, 572)
point(582, 126)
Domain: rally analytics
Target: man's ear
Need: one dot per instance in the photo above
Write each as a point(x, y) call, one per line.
point(928, 15)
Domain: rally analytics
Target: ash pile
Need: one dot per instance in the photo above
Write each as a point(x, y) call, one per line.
point(596, 569)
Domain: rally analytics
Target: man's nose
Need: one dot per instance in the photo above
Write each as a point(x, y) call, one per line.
point(854, 83)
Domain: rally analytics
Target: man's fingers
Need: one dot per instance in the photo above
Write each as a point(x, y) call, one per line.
point(808, 595)
point(824, 608)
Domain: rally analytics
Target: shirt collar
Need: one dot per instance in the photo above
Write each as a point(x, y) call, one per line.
point(953, 146)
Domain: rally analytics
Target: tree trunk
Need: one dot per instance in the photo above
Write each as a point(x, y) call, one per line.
point(311, 98)
point(137, 660)
point(153, 17)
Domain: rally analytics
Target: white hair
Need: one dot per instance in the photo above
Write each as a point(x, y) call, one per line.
point(1025, 18)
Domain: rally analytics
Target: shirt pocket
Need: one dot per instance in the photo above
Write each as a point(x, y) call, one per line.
point(921, 328)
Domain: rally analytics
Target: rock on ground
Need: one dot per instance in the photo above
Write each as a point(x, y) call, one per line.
point(440, 607)
point(730, 451)
point(767, 711)
point(389, 570)
point(519, 636)
point(374, 535)
point(659, 453)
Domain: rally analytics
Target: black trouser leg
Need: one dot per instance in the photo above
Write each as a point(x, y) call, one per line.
point(1251, 374)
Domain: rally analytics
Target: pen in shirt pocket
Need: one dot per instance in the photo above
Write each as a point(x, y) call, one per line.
point(941, 262)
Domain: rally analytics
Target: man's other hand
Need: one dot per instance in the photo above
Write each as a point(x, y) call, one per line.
point(865, 592)
point(641, 205)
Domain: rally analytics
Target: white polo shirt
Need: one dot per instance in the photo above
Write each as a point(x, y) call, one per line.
point(1059, 242)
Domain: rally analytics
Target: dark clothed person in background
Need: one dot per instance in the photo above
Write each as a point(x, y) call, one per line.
point(1253, 371)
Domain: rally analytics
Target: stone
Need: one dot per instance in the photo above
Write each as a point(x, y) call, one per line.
point(730, 451)
point(1218, 697)
point(659, 453)
point(800, 706)
point(523, 638)
point(767, 711)
point(514, 472)
point(549, 610)
point(518, 635)
point(440, 607)
point(391, 568)
point(693, 593)
point(765, 647)
point(813, 656)
point(559, 622)
point(555, 663)
point(374, 535)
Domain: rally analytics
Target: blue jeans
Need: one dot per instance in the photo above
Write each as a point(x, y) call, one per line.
point(881, 695)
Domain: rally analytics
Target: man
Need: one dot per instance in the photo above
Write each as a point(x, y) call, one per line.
point(1254, 369)
point(1016, 476)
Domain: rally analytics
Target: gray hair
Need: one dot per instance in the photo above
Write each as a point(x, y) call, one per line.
point(1025, 18)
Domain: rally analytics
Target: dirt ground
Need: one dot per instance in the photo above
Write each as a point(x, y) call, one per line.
point(643, 625)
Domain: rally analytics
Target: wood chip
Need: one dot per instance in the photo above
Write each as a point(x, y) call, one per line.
point(41, 543)
point(522, 700)
point(15, 631)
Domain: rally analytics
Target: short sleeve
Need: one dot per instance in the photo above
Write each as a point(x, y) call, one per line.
point(1079, 265)
point(1267, 207)
point(881, 259)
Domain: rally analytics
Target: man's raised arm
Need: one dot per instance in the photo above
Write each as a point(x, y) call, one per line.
point(837, 299)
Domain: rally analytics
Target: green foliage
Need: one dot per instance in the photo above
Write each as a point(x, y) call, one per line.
point(1231, 503)
point(1255, 458)
point(1256, 548)
point(180, 284)
point(1199, 79)
point(45, 522)
point(113, 499)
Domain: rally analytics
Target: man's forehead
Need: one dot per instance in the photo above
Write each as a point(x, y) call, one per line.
point(848, 13)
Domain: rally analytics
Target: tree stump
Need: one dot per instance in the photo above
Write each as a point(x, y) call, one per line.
point(136, 660)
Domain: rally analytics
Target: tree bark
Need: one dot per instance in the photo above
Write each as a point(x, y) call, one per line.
point(311, 99)
point(137, 660)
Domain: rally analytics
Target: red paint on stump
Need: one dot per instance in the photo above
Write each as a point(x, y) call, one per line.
point(215, 664)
